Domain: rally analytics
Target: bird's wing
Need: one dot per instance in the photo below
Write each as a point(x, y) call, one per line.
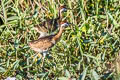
point(48, 25)
point(41, 27)
point(43, 43)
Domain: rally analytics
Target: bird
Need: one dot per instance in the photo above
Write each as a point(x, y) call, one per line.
point(50, 25)
point(43, 44)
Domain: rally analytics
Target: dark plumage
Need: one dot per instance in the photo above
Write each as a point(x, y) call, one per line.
point(43, 44)
point(50, 25)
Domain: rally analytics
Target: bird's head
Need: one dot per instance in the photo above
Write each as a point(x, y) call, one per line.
point(64, 24)
point(63, 8)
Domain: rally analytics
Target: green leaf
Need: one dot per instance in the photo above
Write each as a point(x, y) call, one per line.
point(13, 18)
point(95, 75)
point(114, 21)
point(67, 73)
point(2, 69)
point(16, 64)
point(63, 78)
point(82, 77)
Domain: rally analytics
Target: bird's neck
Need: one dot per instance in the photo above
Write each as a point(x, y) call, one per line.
point(59, 14)
point(58, 35)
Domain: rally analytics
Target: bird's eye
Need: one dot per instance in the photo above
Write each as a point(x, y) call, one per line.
point(65, 24)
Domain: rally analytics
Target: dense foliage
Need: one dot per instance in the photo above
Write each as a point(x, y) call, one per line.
point(86, 50)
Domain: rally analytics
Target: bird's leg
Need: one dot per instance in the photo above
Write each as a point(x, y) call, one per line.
point(45, 52)
point(40, 56)
point(36, 55)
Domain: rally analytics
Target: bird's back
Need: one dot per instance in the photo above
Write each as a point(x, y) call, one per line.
point(48, 26)
point(42, 43)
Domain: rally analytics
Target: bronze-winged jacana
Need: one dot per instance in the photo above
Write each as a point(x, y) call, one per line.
point(50, 25)
point(43, 44)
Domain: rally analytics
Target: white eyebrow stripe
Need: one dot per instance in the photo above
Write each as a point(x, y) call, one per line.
point(63, 9)
point(65, 24)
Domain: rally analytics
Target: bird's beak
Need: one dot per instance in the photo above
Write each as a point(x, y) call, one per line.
point(69, 9)
point(72, 24)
